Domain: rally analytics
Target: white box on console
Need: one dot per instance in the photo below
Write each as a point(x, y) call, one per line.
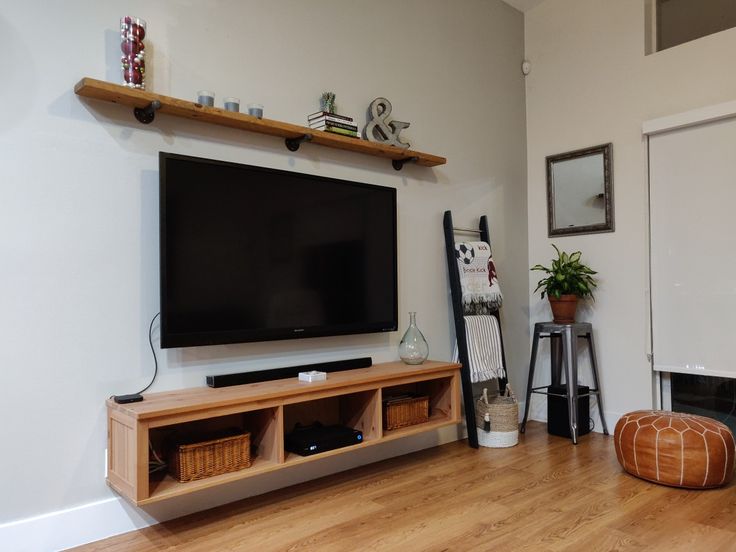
point(312, 376)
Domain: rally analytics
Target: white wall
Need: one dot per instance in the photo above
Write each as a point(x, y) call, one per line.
point(79, 219)
point(591, 83)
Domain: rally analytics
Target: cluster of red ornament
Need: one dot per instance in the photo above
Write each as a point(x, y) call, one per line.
point(132, 33)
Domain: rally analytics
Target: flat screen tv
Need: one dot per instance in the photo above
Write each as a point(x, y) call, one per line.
point(255, 254)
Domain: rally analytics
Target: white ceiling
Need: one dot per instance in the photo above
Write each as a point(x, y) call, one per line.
point(523, 5)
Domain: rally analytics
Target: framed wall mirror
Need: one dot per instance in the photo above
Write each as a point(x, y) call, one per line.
point(580, 191)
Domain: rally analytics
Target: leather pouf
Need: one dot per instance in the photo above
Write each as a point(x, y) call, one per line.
point(672, 448)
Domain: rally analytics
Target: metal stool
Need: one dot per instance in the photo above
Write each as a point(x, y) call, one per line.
point(564, 347)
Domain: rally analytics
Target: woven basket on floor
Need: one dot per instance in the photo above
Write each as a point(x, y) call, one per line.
point(405, 411)
point(207, 458)
point(503, 411)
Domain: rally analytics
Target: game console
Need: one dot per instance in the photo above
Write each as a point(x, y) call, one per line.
point(316, 438)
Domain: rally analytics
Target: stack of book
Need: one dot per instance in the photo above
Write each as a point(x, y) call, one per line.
point(332, 122)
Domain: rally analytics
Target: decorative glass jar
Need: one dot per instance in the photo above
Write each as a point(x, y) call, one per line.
point(133, 66)
point(413, 348)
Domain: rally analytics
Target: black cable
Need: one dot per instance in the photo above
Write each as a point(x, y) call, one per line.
point(153, 352)
point(137, 397)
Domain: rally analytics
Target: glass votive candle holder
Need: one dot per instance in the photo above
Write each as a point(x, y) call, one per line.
point(205, 97)
point(256, 110)
point(231, 104)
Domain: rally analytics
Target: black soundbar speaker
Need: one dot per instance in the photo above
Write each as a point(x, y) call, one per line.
point(558, 421)
point(240, 378)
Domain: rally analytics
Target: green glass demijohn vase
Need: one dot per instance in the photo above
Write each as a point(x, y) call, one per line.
point(413, 348)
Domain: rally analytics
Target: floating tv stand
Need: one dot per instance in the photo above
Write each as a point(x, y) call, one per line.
point(268, 410)
point(146, 104)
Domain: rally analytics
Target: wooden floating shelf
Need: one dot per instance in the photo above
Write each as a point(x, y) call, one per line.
point(142, 100)
point(269, 410)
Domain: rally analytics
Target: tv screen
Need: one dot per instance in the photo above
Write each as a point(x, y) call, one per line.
point(255, 254)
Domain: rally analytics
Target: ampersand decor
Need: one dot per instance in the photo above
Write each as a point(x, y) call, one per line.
point(379, 129)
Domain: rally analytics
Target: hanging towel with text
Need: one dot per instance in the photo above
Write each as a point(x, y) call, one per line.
point(481, 293)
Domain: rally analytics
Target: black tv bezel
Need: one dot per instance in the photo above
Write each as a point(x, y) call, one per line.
point(197, 339)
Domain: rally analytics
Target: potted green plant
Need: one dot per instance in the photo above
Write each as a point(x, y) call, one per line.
point(566, 280)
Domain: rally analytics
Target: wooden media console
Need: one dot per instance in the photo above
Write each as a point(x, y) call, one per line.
point(268, 410)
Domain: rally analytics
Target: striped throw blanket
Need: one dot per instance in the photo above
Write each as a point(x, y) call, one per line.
point(484, 348)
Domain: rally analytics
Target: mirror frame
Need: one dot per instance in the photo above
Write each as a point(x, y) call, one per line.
point(607, 226)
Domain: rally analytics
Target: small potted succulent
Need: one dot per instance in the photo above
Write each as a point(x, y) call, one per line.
point(327, 102)
point(566, 280)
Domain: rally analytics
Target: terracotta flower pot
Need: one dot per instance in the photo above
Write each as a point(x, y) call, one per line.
point(563, 309)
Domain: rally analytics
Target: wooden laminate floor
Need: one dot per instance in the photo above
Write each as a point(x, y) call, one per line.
point(543, 495)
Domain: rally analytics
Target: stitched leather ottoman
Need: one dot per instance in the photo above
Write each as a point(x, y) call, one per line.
point(676, 449)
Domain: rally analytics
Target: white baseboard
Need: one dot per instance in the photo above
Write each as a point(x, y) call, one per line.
point(73, 527)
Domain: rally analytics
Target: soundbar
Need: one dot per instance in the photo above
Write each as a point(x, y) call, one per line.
point(241, 378)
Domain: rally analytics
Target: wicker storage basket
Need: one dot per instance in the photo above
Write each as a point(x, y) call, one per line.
point(404, 411)
point(504, 413)
point(188, 462)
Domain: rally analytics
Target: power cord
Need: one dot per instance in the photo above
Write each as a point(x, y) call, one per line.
point(154, 463)
point(137, 397)
point(153, 352)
